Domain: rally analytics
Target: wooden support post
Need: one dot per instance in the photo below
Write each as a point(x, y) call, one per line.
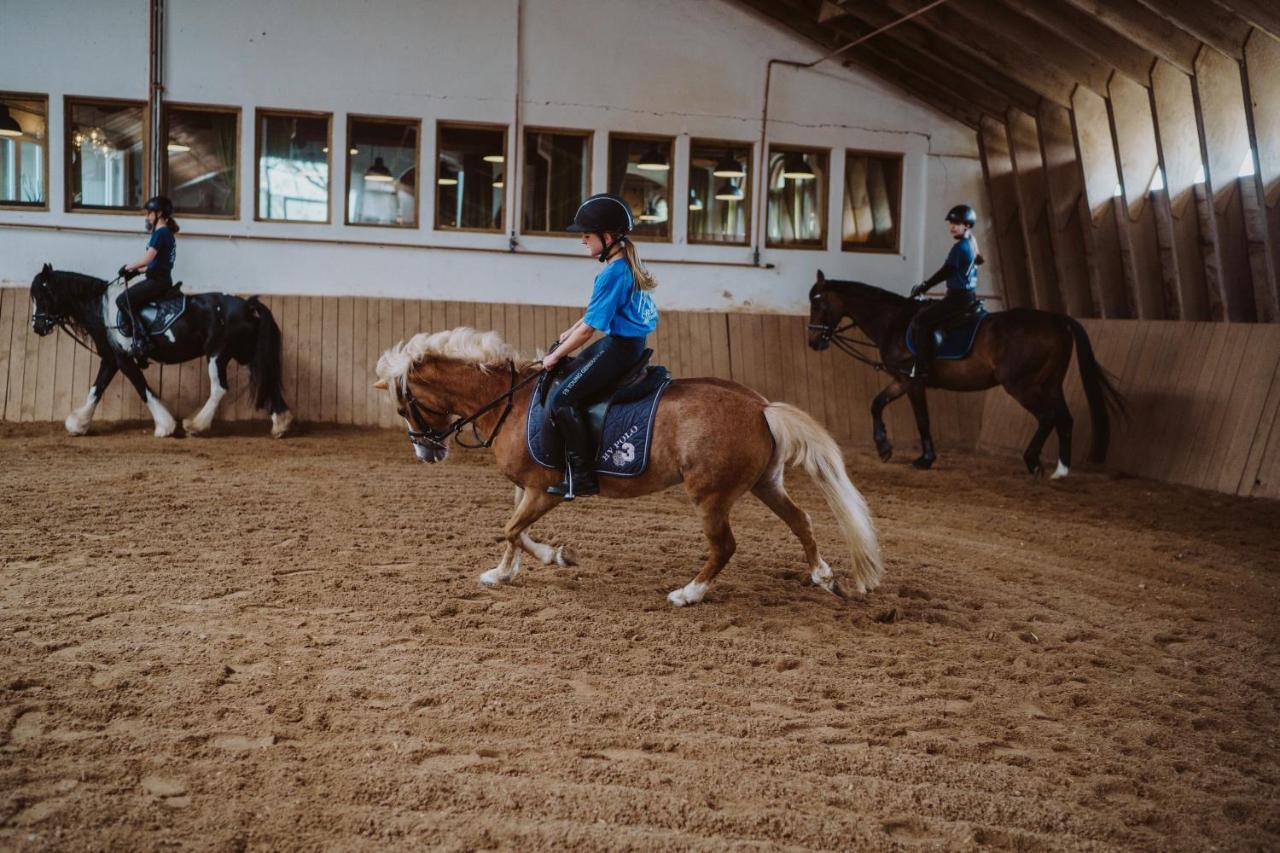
point(1096, 150)
point(1260, 79)
point(1002, 192)
point(1033, 209)
point(1068, 213)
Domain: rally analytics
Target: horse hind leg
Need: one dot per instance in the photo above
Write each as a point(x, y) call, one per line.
point(203, 419)
point(1063, 424)
point(773, 493)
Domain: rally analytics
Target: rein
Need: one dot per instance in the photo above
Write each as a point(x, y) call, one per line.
point(847, 343)
point(423, 434)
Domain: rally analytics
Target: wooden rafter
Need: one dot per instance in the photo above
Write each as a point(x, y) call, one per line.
point(1126, 56)
point(1139, 24)
point(1222, 30)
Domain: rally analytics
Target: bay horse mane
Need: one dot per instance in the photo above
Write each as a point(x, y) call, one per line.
point(483, 350)
point(863, 289)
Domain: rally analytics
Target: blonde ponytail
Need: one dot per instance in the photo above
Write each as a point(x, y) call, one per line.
point(639, 274)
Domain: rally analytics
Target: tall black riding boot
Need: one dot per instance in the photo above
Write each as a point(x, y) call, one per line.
point(924, 353)
point(580, 474)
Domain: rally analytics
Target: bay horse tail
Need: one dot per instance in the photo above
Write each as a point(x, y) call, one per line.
point(1099, 390)
point(265, 374)
point(800, 440)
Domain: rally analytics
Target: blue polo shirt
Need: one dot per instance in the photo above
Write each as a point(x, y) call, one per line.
point(166, 247)
point(617, 306)
point(962, 267)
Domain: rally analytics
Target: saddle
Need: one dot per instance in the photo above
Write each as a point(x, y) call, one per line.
point(617, 420)
point(157, 315)
point(954, 338)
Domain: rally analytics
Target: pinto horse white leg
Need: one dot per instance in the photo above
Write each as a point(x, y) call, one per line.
point(203, 419)
point(77, 423)
point(1060, 472)
point(165, 424)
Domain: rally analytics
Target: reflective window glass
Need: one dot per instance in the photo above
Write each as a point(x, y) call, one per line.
point(382, 171)
point(24, 145)
point(201, 174)
point(293, 166)
point(640, 172)
point(797, 181)
point(105, 158)
point(719, 192)
point(556, 180)
point(872, 199)
point(471, 168)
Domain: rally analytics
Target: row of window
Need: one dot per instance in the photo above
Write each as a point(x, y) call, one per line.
point(105, 165)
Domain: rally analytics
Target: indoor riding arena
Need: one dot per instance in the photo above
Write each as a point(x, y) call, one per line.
point(1042, 611)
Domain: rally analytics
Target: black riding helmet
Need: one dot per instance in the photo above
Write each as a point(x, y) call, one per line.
point(603, 214)
point(962, 214)
point(161, 205)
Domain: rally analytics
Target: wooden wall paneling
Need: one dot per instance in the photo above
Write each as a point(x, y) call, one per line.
point(1033, 208)
point(1138, 163)
point(1220, 102)
point(344, 342)
point(1064, 182)
point(1002, 192)
point(735, 338)
point(64, 374)
point(1207, 230)
point(1168, 435)
point(1266, 480)
point(8, 308)
point(1159, 394)
point(288, 321)
point(1205, 467)
point(452, 315)
point(1266, 296)
point(527, 331)
point(21, 366)
point(373, 350)
point(1250, 477)
point(1262, 74)
point(46, 353)
point(305, 361)
point(327, 352)
point(720, 345)
point(362, 367)
point(1200, 386)
point(390, 335)
point(1245, 407)
point(1096, 149)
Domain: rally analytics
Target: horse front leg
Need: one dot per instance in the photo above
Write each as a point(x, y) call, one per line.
point(561, 555)
point(165, 424)
point(77, 423)
point(883, 446)
point(534, 503)
point(203, 419)
point(920, 406)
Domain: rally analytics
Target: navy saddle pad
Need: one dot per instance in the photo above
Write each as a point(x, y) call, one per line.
point(621, 424)
point(158, 315)
point(957, 338)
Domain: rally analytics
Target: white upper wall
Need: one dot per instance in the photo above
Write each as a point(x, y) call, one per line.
point(684, 68)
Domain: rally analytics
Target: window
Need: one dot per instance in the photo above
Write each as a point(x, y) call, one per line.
point(719, 192)
point(106, 165)
point(382, 171)
point(640, 172)
point(471, 168)
point(200, 164)
point(797, 198)
point(872, 201)
point(557, 178)
point(293, 166)
point(24, 148)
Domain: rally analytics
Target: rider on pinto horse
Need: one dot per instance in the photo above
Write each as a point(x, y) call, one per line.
point(961, 275)
point(162, 251)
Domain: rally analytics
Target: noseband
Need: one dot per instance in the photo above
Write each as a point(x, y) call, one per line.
point(422, 435)
point(846, 343)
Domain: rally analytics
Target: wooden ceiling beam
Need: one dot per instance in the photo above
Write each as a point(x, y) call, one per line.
point(1140, 25)
point(1126, 56)
point(1222, 30)
point(1263, 14)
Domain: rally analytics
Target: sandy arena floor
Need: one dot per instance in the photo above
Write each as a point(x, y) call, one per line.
point(236, 642)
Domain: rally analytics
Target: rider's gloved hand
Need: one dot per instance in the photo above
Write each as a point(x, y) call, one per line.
point(126, 273)
point(919, 290)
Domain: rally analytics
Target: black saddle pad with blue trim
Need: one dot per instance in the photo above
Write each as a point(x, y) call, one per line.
point(957, 338)
point(158, 315)
point(622, 426)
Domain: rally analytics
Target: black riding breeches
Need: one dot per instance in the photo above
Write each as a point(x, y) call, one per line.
point(950, 308)
point(136, 295)
point(601, 365)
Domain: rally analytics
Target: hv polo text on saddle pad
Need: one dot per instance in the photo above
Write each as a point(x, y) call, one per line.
point(624, 447)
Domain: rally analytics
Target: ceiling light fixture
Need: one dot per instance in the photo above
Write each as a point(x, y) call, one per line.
point(796, 168)
point(653, 160)
point(729, 167)
point(378, 172)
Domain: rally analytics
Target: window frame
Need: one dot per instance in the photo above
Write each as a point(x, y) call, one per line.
point(68, 103)
point(590, 137)
point(164, 175)
point(820, 245)
point(43, 206)
point(670, 140)
point(417, 167)
point(258, 113)
point(441, 125)
point(747, 201)
point(897, 213)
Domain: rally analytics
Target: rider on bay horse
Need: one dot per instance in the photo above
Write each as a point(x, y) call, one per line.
point(162, 251)
point(961, 275)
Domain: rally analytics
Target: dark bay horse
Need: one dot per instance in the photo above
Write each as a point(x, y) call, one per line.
point(215, 325)
point(1025, 351)
point(717, 438)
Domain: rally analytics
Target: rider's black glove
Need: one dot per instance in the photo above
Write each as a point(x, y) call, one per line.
point(126, 273)
point(919, 290)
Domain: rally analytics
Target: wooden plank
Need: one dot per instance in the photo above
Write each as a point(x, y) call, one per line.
point(1215, 424)
point(301, 356)
point(721, 360)
point(362, 368)
point(1199, 388)
point(1245, 406)
point(1250, 478)
point(8, 308)
point(289, 350)
point(345, 342)
point(374, 399)
point(1165, 437)
point(390, 336)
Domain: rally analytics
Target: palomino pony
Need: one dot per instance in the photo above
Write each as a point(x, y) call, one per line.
point(718, 438)
point(1025, 351)
point(214, 325)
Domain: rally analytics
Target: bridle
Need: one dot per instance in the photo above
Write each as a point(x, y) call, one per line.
point(848, 344)
point(422, 434)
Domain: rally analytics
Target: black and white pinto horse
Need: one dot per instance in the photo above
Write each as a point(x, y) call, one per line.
point(214, 325)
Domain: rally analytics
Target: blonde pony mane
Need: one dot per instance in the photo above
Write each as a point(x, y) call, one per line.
point(485, 350)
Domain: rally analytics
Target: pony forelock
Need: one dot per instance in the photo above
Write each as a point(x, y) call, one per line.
point(484, 350)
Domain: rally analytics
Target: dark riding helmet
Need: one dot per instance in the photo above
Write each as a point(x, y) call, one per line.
point(161, 205)
point(962, 214)
point(603, 212)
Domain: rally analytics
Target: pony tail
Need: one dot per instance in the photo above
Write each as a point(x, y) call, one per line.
point(639, 273)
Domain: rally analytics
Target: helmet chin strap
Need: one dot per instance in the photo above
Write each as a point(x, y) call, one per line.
point(606, 253)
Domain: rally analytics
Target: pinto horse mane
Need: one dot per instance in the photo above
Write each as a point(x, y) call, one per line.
point(484, 350)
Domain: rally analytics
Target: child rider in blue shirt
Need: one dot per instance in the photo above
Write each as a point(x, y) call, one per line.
point(162, 251)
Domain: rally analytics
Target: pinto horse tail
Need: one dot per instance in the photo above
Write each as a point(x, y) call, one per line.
point(265, 374)
point(800, 440)
point(1099, 390)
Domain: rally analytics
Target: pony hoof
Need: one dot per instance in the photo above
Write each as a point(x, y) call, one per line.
point(565, 557)
point(192, 429)
point(74, 427)
point(924, 463)
point(886, 452)
point(1060, 472)
point(280, 424)
point(691, 593)
point(494, 578)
